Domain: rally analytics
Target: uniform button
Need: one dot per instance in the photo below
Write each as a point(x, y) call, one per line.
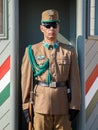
point(53, 55)
point(50, 47)
point(64, 62)
point(53, 65)
point(54, 74)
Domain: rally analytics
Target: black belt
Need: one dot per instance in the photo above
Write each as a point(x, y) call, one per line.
point(52, 84)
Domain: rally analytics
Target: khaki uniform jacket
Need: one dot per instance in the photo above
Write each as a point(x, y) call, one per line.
point(63, 66)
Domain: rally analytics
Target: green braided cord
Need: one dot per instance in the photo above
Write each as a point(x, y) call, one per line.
point(35, 66)
point(38, 70)
point(30, 59)
point(33, 61)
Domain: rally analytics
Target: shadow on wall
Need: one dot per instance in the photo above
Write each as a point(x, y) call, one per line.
point(62, 39)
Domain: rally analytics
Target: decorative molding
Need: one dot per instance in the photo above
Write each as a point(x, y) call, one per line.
point(3, 17)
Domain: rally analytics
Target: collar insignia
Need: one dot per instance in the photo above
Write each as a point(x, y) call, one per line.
point(54, 46)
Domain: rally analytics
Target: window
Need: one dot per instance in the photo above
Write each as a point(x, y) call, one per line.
point(96, 17)
point(92, 18)
point(3, 19)
point(1, 16)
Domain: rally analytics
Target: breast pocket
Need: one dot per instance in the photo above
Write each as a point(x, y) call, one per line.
point(63, 65)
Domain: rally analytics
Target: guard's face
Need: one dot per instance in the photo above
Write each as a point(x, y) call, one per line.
point(50, 30)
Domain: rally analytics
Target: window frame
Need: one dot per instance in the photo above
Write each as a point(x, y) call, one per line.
point(3, 35)
point(90, 17)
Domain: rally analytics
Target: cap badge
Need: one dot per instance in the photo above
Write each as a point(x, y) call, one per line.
point(51, 13)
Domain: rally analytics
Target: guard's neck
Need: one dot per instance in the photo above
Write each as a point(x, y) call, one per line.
point(50, 42)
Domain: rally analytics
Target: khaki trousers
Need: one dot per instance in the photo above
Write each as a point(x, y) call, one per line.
point(51, 122)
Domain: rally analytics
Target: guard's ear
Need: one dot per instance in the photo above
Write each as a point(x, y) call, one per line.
point(41, 28)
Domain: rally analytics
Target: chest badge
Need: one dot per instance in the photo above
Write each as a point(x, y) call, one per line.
point(41, 57)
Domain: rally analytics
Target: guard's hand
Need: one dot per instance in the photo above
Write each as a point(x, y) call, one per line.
point(72, 114)
point(27, 115)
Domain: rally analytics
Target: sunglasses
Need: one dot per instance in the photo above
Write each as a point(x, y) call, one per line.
point(54, 25)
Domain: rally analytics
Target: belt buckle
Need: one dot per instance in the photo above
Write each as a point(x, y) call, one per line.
point(52, 84)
